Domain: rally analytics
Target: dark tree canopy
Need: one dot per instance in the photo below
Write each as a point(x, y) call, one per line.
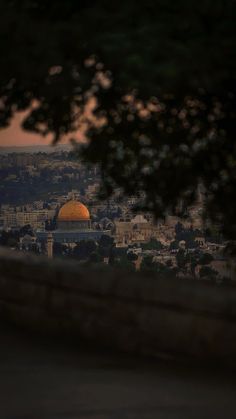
point(148, 45)
point(164, 74)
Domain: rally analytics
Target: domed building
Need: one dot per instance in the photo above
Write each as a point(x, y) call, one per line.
point(73, 215)
point(73, 225)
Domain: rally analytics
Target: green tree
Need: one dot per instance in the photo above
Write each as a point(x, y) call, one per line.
point(105, 246)
point(9, 238)
point(207, 272)
point(123, 263)
point(83, 249)
point(165, 269)
point(182, 258)
point(59, 249)
point(12, 242)
point(179, 228)
point(147, 264)
point(95, 257)
point(153, 244)
point(132, 256)
point(205, 259)
point(106, 241)
point(26, 229)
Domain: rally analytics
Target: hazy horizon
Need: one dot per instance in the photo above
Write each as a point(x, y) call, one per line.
point(32, 149)
point(14, 135)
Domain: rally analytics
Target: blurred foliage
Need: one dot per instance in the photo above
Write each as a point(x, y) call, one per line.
point(205, 259)
point(164, 75)
point(153, 244)
point(207, 272)
point(84, 249)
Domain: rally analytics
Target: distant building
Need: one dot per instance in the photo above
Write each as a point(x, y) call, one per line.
point(137, 229)
point(74, 225)
point(36, 219)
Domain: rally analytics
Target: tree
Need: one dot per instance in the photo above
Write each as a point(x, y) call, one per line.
point(193, 265)
point(105, 246)
point(124, 264)
point(207, 272)
point(182, 258)
point(83, 249)
point(9, 238)
point(178, 118)
point(153, 244)
point(147, 264)
point(59, 249)
point(179, 228)
point(132, 256)
point(26, 229)
point(161, 41)
point(165, 269)
point(169, 263)
point(174, 245)
point(12, 242)
point(94, 257)
point(106, 241)
point(205, 259)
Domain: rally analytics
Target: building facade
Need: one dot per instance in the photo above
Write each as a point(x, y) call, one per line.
point(73, 225)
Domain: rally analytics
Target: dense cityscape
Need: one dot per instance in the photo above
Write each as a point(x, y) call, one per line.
point(40, 192)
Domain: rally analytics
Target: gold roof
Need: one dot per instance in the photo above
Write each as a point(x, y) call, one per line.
point(73, 211)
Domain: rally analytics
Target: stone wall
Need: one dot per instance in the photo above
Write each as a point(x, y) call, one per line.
point(131, 312)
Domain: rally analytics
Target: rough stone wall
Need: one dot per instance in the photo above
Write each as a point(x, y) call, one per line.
point(131, 312)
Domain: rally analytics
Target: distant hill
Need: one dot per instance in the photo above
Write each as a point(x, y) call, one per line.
point(35, 149)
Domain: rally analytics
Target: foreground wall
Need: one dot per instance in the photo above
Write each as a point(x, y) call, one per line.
point(132, 312)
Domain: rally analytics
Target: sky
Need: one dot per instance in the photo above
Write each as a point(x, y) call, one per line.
point(15, 136)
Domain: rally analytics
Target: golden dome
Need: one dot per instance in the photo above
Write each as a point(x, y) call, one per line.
point(73, 211)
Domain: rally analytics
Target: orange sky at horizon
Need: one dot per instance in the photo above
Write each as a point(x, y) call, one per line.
point(14, 135)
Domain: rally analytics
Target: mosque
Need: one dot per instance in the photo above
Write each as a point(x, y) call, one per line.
point(73, 225)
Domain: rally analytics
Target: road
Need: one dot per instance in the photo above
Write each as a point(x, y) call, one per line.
point(41, 379)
